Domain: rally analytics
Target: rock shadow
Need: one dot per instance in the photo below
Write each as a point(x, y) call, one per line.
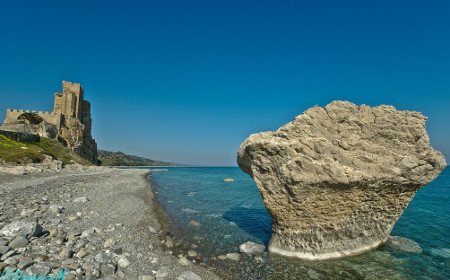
point(256, 222)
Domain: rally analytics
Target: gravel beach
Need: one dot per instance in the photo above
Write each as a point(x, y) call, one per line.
point(96, 222)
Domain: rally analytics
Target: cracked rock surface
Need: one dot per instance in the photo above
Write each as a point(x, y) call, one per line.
point(337, 178)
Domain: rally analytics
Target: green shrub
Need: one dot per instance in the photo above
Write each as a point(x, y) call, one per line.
point(33, 118)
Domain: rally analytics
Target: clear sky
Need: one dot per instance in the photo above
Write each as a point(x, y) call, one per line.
point(188, 81)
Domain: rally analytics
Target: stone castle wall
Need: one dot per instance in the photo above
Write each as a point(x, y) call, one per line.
point(49, 117)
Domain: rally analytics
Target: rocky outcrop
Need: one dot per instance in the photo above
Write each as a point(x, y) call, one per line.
point(42, 129)
point(336, 179)
point(20, 136)
point(48, 164)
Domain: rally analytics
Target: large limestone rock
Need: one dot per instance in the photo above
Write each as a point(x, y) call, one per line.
point(336, 179)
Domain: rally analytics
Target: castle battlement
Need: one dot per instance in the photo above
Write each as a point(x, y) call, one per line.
point(15, 110)
point(29, 111)
point(44, 113)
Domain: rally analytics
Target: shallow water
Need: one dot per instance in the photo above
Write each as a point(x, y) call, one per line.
point(232, 213)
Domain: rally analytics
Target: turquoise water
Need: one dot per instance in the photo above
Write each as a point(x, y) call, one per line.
point(232, 213)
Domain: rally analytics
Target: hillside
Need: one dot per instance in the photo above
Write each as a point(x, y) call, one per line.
point(120, 159)
point(21, 152)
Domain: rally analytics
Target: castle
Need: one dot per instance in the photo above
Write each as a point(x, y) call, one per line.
point(70, 121)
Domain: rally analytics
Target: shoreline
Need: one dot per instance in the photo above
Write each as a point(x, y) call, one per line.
point(233, 264)
point(178, 247)
point(99, 223)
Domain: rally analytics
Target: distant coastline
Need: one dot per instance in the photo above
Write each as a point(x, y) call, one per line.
point(121, 159)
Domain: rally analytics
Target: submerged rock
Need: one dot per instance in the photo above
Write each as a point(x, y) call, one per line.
point(233, 256)
point(403, 244)
point(336, 179)
point(192, 253)
point(251, 248)
point(183, 261)
point(194, 223)
point(189, 210)
point(441, 252)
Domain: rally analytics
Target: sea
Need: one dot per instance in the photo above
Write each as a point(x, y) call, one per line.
point(231, 213)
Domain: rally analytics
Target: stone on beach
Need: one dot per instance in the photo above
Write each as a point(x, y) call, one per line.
point(189, 275)
point(21, 228)
point(4, 250)
point(102, 257)
point(82, 253)
point(336, 179)
point(81, 199)
point(19, 242)
point(162, 272)
point(40, 269)
point(9, 254)
point(66, 253)
point(184, 261)
point(55, 209)
point(109, 243)
point(123, 263)
point(25, 264)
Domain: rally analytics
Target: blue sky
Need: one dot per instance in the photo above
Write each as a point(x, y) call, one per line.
point(188, 81)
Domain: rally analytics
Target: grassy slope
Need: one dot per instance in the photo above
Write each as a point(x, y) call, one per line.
point(20, 152)
point(120, 159)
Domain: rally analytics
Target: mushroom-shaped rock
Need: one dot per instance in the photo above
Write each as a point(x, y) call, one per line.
point(336, 179)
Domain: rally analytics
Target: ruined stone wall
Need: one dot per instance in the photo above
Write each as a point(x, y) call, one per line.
point(57, 108)
point(49, 117)
point(47, 128)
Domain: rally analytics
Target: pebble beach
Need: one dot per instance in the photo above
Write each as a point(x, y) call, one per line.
point(89, 223)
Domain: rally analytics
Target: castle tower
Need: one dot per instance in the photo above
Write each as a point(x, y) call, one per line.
point(70, 101)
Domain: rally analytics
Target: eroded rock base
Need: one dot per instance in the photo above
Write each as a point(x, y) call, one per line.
point(332, 223)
